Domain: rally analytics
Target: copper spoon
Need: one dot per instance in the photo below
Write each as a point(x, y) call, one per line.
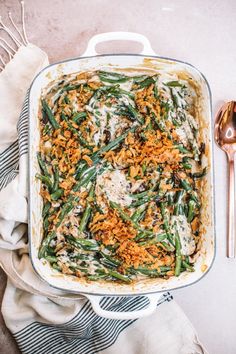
point(225, 137)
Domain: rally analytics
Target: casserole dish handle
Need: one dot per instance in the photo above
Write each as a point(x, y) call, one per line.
point(129, 315)
point(118, 36)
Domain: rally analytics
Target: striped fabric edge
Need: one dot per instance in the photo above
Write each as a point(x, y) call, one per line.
point(9, 158)
point(86, 333)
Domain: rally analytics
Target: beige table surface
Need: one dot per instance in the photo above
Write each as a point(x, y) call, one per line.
point(201, 32)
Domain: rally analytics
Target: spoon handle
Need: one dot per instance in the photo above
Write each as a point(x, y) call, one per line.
point(231, 209)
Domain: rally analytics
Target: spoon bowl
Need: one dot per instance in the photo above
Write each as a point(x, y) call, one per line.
point(225, 127)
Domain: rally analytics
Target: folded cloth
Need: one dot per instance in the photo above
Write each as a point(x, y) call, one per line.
point(43, 319)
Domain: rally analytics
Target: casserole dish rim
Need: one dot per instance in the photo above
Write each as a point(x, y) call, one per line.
point(211, 159)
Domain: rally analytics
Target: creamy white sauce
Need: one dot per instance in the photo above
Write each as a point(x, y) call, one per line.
point(114, 187)
point(64, 258)
point(192, 121)
point(92, 266)
point(106, 115)
point(185, 132)
point(126, 85)
point(185, 234)
point(75, 105)
point(136, 185)
point(101, 117)
point(181, 132)
point(48, 144)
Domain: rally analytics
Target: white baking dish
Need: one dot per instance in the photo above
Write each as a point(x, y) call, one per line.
point(152, 288)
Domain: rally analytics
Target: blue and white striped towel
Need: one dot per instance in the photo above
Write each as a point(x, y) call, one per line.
point(44, 320)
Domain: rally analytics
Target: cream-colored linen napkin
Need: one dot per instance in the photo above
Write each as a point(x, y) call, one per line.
point(43, 319)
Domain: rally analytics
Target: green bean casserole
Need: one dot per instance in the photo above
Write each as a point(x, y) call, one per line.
point(122, 168)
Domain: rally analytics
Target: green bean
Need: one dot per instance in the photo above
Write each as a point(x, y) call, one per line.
point(86, 179)
point(144, 168)
point(83, 141)
point(82, 257)
point(46, 223)
point(47, 110)
point(135, 114)
point(175, 122)
point(83, 168)
point(56, 266)
point(109, 273)
point(45, 244)
point(160, 123)
point(119, 276)
point(141, 194)
point(173, 84)
point(57, 194)
point(113, 144)
point(168, 247)
point(46, 129)
point(182, 149)
point(191, 207)
point(165, 268)
point(146, 82)
point(66, 208)
point(166, 110)
point(155, 91)
point(174, 98)
point(66, 100)
point(112, 261)
point(187, 266)
point(153, 241)
point(56, 179)
point(111, 78)
point(107, 264)
point(96, 277)
point(124, 92)
point(165, 218)
point(138, 213)
point(98, 208)
point(114, 74)
point(152, 272)
point(85, 244)
point(79, 116)
point(78, 268)
point(46, 181)
point(113, 90)
point(142, 235)
point(178, 207)
point(46, 208)
point(200, 174)
point(42, 165)
point(185, 209)
point(170, 199)
point(178, 257)
point(123, 215)
point(186, 165)
point(144, 200)
point(140, 78)
point(70, 88)
point(195, 199)
point(51, 259)
point(185, 185)
point(87, 212)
